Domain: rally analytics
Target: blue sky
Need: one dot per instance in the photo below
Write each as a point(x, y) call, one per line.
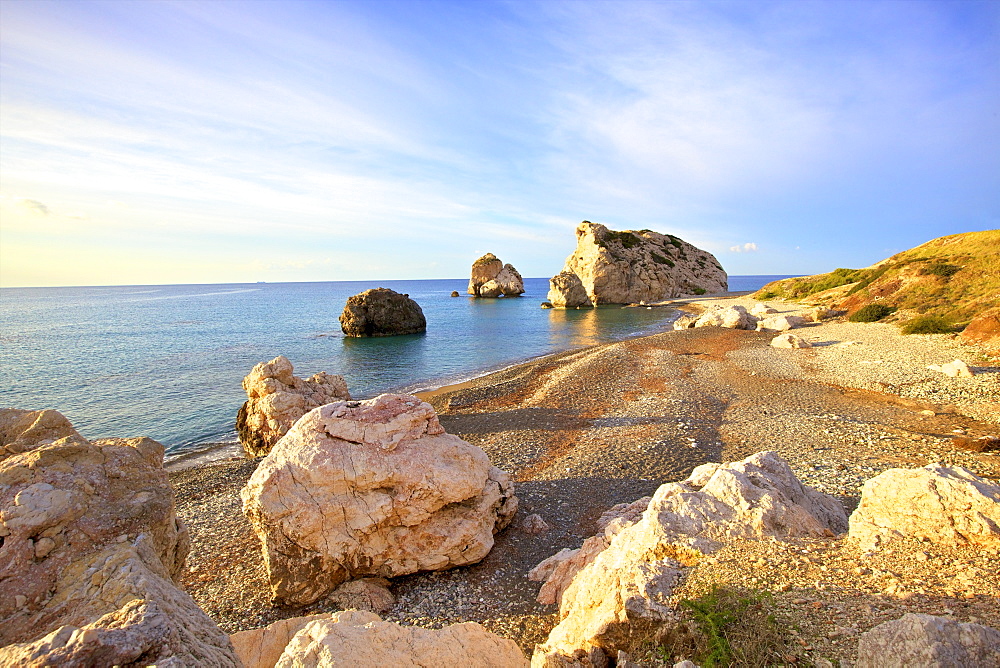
point(198, 142)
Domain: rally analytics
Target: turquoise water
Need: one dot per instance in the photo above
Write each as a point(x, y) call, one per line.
point(167, 361)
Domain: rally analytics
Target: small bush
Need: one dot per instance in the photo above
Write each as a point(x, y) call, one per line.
point(766, 295)
point(928, 324)
point(699, 291)
point(871, 313)
point(940, 269)
point(659, 259)
point(736, 626)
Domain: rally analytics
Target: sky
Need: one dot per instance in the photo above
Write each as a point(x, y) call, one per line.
point(209, 142)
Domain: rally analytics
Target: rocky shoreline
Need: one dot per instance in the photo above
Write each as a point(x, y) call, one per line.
point(587, 429)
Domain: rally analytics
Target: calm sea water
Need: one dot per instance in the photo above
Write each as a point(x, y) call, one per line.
point(167, 361)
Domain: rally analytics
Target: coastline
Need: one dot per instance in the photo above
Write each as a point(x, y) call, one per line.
point(588, 428)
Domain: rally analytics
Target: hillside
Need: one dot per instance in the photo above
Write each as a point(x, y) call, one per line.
point(954, 279)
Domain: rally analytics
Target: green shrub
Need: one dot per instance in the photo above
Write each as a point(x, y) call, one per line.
point(737, 626)
point(766, 295)
point(626, 239)
point(699, 291)
point(928, 324)
point(940, 269)
point(871, 313)
point(659, 259)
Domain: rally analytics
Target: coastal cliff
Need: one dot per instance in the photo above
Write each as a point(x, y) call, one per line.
point(610, 267)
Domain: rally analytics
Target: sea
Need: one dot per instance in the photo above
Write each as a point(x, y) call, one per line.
point(167, 361)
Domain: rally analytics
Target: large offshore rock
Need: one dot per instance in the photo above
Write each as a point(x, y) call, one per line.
point(276, 399)
point(633, 266)
point(363, 640)
point(376, 487)
point(491, 278)
point(927, 641)
point(382, 312)
point(634, 576)
point(90, 543)
point(944, 505)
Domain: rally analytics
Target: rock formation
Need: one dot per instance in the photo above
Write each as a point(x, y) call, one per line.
point(276, 399)
point(733, 317)
point(491, 278)
point(935, 503)
point(326, 640)
point(382, 312)
point(918, 640)
point(789, 341)
point(375, 487)
point(90, 545)
point(632, 578)
point(628, 267)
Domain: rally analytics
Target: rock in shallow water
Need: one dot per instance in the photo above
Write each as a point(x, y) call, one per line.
point(382, 312)
point(372, 487)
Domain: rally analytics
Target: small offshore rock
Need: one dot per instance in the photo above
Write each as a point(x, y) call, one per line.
point(382, 312)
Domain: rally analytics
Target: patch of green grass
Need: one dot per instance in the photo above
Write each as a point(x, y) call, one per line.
point(871, 313)
point(928, 324)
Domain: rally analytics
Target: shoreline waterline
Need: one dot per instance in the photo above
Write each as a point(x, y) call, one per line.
point(212, 452)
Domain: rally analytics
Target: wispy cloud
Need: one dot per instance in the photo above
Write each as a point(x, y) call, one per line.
point(32, 206)
point(749, 247)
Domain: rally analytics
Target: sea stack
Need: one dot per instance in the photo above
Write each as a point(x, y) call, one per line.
point(382, 312)
point(492, 278)
point(628, 267)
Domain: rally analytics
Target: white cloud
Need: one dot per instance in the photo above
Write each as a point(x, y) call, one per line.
point(749, 247)
point(32, 205)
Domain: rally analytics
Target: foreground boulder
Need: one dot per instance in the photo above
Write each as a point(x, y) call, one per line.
point(926, 641)
point(382, 312)
point(634, 576)
point(276, 399)
point(630, 267)
point(327, 640)
point(948, 506)
point(789, 341)
point(376, 487)
point(492, 278)
point(90, 544)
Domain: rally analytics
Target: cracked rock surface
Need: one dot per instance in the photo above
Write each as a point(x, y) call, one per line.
point(372, 488)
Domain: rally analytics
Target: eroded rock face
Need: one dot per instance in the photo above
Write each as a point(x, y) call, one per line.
point(631, 267)
point(633, 577)
point(90, 543)
point(276, 399)
point(22, 430)
point(382, 312)
point(491, 278)
point(326, 640)
point(949, 506)
point(919, 641)
point(359, 488)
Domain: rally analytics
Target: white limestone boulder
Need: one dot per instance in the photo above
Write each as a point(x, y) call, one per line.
point(372, 488)
point(732, 317)
point(954, 369)
point(761, 309)
point(634, 576)
point(276, 399)
point(945, 505)
point(363, 640)
point(927, 641)
point(781, 323)
point(789, 341)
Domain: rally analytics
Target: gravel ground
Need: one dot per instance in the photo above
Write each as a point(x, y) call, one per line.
point(587, 429)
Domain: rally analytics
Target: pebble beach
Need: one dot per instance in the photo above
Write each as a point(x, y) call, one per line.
point(587, 429)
